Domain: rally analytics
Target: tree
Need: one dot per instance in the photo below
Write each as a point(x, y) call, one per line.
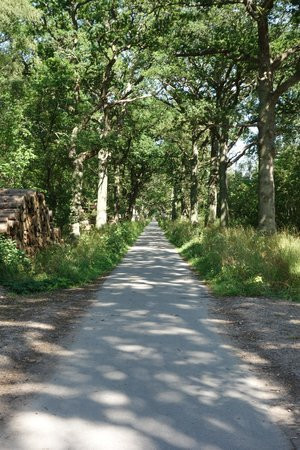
point(16, 48)
point(277, 73)
point(273, 52)
point(223, 85)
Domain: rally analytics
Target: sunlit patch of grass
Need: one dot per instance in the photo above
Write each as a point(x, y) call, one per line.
point(241, 261)
point(71, 264)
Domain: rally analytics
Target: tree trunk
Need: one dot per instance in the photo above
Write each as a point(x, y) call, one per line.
point(184, 206)
point(223, 192)
point(266, 138)
point(103, 155)
point(134, 191)
point(134, 215)
point(117, 194)
point(174, 214)
point(266, 132)
point(131, 206)
point(213, 181)
point(183, 195)
point(77, 179)
point(101, 218)
point(194, 184)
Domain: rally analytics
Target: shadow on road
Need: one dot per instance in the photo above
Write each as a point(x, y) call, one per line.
point(147, 370)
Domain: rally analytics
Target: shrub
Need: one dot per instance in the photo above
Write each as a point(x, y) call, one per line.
point(71, 264)
point(181, 231)
point(12, 260)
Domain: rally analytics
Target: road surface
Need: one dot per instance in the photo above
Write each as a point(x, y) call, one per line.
point(148, 370)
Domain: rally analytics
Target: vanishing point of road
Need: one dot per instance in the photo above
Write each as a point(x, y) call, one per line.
point(147, 369)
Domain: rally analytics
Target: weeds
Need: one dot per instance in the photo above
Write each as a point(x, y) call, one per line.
point(71, 264)
point(241, 261)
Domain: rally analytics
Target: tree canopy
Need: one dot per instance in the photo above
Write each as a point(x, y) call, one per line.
point(122, 109)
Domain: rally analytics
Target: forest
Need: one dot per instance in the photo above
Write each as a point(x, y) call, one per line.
point(186, 111)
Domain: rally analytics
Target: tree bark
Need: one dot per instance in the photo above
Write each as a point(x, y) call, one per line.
point(183, 205)
point(102, 195)
point(266, 132)
point(174, 214)
point(101, 218)
point(223, 188)
point(131, 204)
point(133, 194)
point(117, 194)
point(77, 179)
point(194, 183)
point(266, 138)
point(213, 180)
point(183, 194)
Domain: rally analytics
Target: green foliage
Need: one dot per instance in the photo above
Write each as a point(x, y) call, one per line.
point(71, 264)
point(63, 64)
point(180, 232)
point(240, 261)
point(243, 202)
point(287, 182)
point(16, 16)
point(12, 260)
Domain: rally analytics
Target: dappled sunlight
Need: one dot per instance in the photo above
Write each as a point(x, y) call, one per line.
point(171, 330)
point(219, 425)
point(183, 306)
point(15, 323)
point(147, 371)
point(110, 398)
point(104, 304)
point(115, 375)
point(63, 433)
point(36, 342)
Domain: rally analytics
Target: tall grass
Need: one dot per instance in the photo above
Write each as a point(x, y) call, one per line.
point(241, 261)
point(71, 264)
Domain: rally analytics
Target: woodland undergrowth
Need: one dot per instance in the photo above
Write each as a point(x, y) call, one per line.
point(70, 264)
point(240, 261)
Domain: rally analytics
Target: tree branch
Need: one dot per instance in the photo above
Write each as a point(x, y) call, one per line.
point(216, 51)
point(281, 58)
point(122, 101)
point(251, 8)
point(237, 157)
point(207, 51)
point(242, 128)
point(268, 5)
point(287, 84)
point(83, 3)
point(87, 155)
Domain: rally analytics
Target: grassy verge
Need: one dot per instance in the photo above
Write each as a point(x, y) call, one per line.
point(240, 261)
point(70, 264)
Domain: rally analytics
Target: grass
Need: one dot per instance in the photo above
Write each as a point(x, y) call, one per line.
point(71, 264)
point(241, 261)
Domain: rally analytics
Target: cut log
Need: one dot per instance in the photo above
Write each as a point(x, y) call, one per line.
point(4, 227)
point(25, 217)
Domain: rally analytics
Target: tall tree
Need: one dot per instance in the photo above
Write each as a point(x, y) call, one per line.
point(278, 71)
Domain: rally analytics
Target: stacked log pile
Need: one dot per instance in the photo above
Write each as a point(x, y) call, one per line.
point(25, 217)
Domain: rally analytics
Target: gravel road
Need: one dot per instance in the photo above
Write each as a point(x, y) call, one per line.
point(147, 369)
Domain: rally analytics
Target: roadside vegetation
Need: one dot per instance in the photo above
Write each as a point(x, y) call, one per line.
point(71, 264)
point(239, 260)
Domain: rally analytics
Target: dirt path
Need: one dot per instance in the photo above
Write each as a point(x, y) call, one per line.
point(151, 369)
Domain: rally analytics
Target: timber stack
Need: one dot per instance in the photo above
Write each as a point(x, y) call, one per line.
point(25, 217)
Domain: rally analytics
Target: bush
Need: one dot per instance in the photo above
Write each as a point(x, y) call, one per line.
point(12, 260)
point(180, 232)
point(241, 261)
point(60, 266)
